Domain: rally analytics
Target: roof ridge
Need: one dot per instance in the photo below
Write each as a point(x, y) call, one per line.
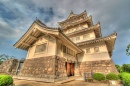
point(40, 22)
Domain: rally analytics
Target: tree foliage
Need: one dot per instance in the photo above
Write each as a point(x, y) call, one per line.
point(126, 68)
point(98, 76)
point(112, 76)
point(125, 77)
point(123, 68)
point(6, 80)
point(119, 68)
point(127, 49)
point(4, 57)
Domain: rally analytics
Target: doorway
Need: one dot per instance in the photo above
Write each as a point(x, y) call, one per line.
point(69, 68)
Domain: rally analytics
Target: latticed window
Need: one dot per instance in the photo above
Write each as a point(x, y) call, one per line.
point(41, 48)
point(64, 49)
point(96, 49)
point(88, 50)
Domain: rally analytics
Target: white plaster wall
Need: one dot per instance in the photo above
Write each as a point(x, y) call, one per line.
point(78, 27)
point(92, 56)
point(50, 48)
point(91, 36)
point(85, 25)
point(60, 50)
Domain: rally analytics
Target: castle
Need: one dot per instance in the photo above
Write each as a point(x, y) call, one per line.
point(77, 47)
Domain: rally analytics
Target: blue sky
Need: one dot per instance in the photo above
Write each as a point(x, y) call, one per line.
point(16, 16)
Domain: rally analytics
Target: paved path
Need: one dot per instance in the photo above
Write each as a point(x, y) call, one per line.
point(72, 83)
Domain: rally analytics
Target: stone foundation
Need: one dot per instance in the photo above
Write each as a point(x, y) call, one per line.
point(102, 66)
point(60, 70)
point(9, 67)
point(49, 69)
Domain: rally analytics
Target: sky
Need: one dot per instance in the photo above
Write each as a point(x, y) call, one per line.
point(16, 16)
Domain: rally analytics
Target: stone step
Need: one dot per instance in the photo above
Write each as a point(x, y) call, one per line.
point(65, 81)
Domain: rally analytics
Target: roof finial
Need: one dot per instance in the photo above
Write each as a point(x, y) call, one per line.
point(71, 12)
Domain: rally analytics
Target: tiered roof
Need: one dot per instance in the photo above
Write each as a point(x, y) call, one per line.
point(38, 29)
point(96, 28)
point(75, 19)
point(109, 40)
point(33, 34)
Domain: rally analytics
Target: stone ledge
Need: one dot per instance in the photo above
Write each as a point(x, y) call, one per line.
point(39, 79)
point(33, 79)
point(60, 79)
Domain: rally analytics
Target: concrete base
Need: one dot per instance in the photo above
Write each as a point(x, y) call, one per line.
point(40, 79)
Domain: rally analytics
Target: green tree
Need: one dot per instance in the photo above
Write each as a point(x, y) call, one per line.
point(4, 57)
point(119, 68)
point(127, 49)
point(126, 68)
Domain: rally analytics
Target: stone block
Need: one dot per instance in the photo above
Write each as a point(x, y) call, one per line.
point(98, 66)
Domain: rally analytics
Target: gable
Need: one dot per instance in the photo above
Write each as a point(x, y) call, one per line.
point(33, 33)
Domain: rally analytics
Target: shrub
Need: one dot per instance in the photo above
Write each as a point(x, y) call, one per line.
point(5, 80)
point(125, 77)
point(112, 76)
point(98, 76)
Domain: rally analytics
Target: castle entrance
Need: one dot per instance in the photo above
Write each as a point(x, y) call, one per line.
point(69, 68)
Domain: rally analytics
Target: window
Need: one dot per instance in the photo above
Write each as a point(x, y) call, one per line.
point(64, 49)
point(88, 50)
point(61, 47)
point(41, 48)
point(96, 49)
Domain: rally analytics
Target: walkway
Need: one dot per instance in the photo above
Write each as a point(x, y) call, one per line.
point(72, 83)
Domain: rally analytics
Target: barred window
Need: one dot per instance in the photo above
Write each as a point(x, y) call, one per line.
point(88, 50)
point(96, 49)
point(41, 48)
point(64, 49)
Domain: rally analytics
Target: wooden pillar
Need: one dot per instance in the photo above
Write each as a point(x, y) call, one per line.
point(68, 69)
point(72, 69)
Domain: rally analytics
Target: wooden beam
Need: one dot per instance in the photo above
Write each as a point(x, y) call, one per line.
point(25, 44)
point(33, 37)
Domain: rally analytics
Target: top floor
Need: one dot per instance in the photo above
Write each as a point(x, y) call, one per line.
point(74, 19)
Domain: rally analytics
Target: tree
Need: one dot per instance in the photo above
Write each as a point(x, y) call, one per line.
point(119, 68)
point(126, 67)
point(4, 57)
point(127, 49)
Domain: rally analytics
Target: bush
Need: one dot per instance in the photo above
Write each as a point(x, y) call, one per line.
point(5, 80)
point(98, 76)
point(125, 77)
point(112, 76)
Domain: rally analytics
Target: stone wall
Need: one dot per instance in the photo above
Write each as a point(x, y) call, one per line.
point(9, 66)
point(102, 66)
point(60, 69)
point(49, 69)
point(42, 67)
